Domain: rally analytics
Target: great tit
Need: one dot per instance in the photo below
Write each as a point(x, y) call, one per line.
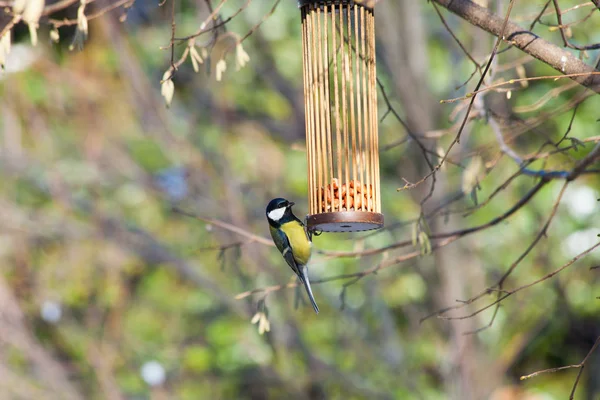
point(291, 239)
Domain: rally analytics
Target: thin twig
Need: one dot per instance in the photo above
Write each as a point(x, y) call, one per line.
point(511, 292)
point(69, 22)
point(229, 227)
point(373, 270)
point(581, 365)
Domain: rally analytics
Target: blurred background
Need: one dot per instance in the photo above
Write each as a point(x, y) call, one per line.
point(107, 291)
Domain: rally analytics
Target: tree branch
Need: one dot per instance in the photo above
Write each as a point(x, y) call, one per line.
point(557, 58)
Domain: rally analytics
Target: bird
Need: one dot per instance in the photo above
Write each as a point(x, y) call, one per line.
point(291, 239)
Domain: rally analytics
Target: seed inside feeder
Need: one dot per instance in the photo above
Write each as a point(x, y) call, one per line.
point(352, 196)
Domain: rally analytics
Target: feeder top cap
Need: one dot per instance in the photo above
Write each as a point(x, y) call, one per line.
point(364, 3)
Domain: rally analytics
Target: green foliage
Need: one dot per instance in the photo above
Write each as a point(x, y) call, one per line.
point(148, 154)
point(85, 223)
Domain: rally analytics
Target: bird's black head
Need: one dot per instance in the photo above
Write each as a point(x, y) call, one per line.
point(279, 209)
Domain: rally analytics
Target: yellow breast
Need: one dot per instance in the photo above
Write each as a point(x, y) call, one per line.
point(301, 246)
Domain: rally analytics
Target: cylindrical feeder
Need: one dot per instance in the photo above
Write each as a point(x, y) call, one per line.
point(340, 92)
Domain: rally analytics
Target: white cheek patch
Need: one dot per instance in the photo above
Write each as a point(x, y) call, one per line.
point(276, 214)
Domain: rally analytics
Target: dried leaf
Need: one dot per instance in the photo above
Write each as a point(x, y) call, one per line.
point(196, 58)
point(54, 35)
point(220, 68)
point(19, 6)
point(82, 22)
point(33, 11)
point(263, 324)
point(167, 88)
point(82, 29)
point(425, 243)
point(5, 44)
point(33, 33)
point(472, 174)
point(241, 57)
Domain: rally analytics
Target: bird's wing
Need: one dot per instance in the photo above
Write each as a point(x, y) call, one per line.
point(305, 226)
point(283, 244)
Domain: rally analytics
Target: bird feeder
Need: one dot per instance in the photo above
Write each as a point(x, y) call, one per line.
point(338, 41)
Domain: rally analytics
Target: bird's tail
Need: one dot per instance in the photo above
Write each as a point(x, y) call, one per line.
point(304, 278)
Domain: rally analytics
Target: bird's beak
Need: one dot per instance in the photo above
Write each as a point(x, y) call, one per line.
point(291, 203)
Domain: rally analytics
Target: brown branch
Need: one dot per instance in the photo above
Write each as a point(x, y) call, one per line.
point(459, 233)
point(581, 365)
point(542, 233)
point(263, 19)
point(517, 80)
point(561, 28)
point(173, 28)
point(579, 169)
point(586, 161)
point(356, 275)
point(211, 28)
point(414, 137)
point(456, 140)
point(524, 200)
point(557, 58)
point(59, 5)
point(15, 20)
point(68, 22)
point(509, 293)
point(498, 286)
point(481, 79)
point(457, 40)
point(229, 227)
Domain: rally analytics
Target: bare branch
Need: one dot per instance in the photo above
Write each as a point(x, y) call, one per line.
point(559, 59)
point(229, 227)
point(511, 292)
point(581, 365)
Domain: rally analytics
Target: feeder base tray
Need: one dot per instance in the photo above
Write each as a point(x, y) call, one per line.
point(345, 221)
